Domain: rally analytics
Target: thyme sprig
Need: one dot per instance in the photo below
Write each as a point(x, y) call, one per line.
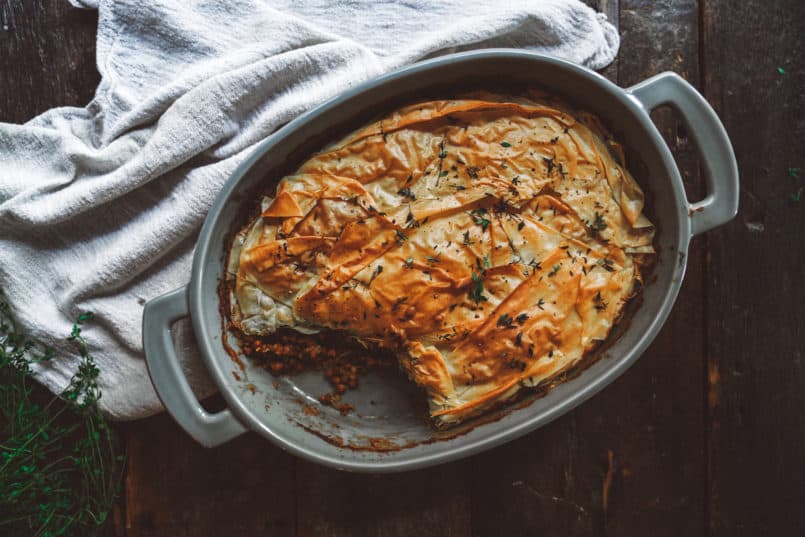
point(60, 470)
point(476, 292)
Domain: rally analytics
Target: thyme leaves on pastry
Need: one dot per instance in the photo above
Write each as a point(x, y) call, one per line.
point(476, 293)
point(479, 217)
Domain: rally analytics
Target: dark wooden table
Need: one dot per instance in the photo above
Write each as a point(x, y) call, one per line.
point(705, 435)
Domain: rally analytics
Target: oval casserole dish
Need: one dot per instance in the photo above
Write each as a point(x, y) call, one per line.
point(385, 433)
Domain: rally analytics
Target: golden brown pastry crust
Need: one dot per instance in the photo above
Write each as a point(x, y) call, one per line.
point(490, 241)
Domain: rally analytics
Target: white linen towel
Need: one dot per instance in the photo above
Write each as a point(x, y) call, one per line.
point(100, 206)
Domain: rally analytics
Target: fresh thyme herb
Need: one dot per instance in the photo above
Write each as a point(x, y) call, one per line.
point(780, 70)
point(516, 180)
point(353, 283)
point(554, 271)
point(406, 192)
point(487, 263)
point(518, 339)
point(443, 154)
point(796, 196)
point(476, 293)
point(505, 320)
point(549, 163)
point(378, 270)
point(540, 303)
point(607, 264)
point(600, 305)
point(411, 222)
point(443, 173)
point(503, 206)
point(60, 470)
point(521, 318)
point(432, 258)
point(409, 262)
point(467, 239)
point(478, 216)
point(505, 144)
point(401, 237)
point(794, 172)
point(597, 226)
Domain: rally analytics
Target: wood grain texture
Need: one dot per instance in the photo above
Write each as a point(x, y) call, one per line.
point(427, 503)
point(639, 442)
point(174, 487)
point(755, 274)
point(663, 413)
point(47, 57)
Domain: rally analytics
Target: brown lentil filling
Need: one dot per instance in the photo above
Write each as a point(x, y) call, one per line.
point(342, 359)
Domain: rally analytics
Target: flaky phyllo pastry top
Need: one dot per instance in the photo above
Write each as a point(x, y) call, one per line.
point(490, 241)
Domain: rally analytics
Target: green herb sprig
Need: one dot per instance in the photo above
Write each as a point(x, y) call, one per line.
point(60, 470)
point(597, 226)
point(476, 292)
point(479, 217)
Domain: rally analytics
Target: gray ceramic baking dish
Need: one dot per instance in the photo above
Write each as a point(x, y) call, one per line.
point(387, 432)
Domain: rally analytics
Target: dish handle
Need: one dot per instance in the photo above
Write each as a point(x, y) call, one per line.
point(169, 381)
point(721, 170)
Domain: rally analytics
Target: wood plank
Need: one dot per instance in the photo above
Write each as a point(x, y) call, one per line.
point(176, 488)
point(756, 320)
point(427, 503)
point(639, 443)
point(661, 450)
point(47, 57)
